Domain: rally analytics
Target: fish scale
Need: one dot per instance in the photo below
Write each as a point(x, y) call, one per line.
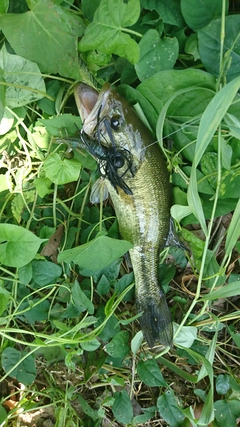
point(143, 216)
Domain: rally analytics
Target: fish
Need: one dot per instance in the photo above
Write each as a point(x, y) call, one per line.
point(134, 170)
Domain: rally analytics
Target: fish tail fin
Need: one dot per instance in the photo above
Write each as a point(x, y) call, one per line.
point(155, 321)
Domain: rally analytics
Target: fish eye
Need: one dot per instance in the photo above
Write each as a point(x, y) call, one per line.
point(118, 161)
point(115, 123)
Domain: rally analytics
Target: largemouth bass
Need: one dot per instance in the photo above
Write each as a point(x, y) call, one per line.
point(137, 180)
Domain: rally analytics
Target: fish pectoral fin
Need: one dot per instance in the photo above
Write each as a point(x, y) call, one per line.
point(99, 191)
point(155, 321)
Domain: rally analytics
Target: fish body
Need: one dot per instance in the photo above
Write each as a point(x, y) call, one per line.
point(143, 213)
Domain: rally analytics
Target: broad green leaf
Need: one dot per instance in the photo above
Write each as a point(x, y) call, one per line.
point(65, 124)
point(156, 54)
point(36, 310)
point(186, 336)
point(45, 272)
point(25, 274)
point(43, 186)
point(48, 36)
point(159, 88)
point(226, 412)
point(4, 6)
point(209, 39)
point(87, 409)
point(61, 171)
point(222, 384)
point(146, 416)
point(18, 246)
point(17, 365)
point(23, 77)
point(180, 103)
point(169, 11)
point(118, 347)
point(80, 300)
point(136, 342)
point(169, 409)
point(90, 345)
point(149, 372)
point(96, 254)
point(179, 212)
point(198, 13)
point(122, 407)
point(107, 32)
point(3, 415)
point(89, 7)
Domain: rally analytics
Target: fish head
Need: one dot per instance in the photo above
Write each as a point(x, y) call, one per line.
point(111, 120)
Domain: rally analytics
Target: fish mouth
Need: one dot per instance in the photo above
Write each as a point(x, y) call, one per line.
point(89, 102)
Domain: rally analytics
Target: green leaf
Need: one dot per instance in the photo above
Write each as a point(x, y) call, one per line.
point(169, 409)
point(23, 77)
point(186, 336)
point(176, 94)
point(198, 13)
point(179, 212)
point(170, 13)
point(45, 272)
point(65, 124)
point(233, 231)
point(236, 338)
point(122, 407)
point(226, 291)
point(48, 37)
point(3, 415)
point(17, 365)
point(118, 347)
point(86, 408)
point(61, 171)
point(149, 372)
point(143, 418)
point(38, 310)
point(209, 122)
point(90, 345)
point(80, 300)
point(25, 274)
point(136, 342)
point(107, 31)
point(222, 384)
point(43, 186)
point(159, 88)
point(4, 6)
point(18, 246)
point(96, 254)
point(156, 54)
point(4, 299)
point(209, 39)
point(226, 412)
